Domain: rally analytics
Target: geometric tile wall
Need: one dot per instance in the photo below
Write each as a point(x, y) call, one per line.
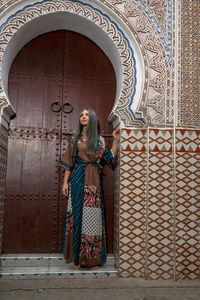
point(116, 210)
point(3, 168)
point(133, 203)
point(160, 204)
point(188, 204)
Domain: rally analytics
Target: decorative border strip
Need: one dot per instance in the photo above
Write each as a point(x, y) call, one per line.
point(189, 104)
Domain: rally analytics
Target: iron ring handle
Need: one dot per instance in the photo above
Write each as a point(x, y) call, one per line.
point(56, 110)
point(67, 111)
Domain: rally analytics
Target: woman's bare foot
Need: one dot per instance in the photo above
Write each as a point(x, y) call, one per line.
point(76, 267)
point(94, 268)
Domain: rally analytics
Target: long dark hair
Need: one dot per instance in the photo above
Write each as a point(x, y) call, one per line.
point(92, 134)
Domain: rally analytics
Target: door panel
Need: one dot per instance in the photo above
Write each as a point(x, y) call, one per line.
point(35, 82)
point(89, 80)
point(32, 197)
point(74, 71)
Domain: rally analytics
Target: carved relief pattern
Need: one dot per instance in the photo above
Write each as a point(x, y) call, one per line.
point(4, 4)
point(3, 168)
point(159, 9)
point(1, 88)
point(3, 103)
point(160, 13)
point(30, 13)
point(156, 106)
point(189, 104)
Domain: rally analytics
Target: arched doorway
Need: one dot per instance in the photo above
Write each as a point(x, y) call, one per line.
point(52, 71)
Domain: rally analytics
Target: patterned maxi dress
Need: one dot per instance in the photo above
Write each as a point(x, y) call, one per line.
point(84, 231)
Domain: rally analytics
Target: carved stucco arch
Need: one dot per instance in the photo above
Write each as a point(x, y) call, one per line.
point(126, 91)
point(135, 107)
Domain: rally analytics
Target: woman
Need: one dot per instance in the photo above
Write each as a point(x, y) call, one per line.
point(84, 236)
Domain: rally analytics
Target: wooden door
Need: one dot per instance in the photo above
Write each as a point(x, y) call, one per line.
point(67, 68)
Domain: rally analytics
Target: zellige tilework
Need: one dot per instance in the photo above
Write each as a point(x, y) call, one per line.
point(132, 203)
point(160, 205)
point(187, 204)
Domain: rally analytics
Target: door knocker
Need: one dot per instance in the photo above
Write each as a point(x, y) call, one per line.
point(56, 107)
point(67, 108)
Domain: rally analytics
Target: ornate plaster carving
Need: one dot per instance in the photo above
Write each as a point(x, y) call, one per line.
point(1, 88)
point(189, 102)
point(4, 4)
point(3, 103)
point(160, 13)
point(156, 104)
point(29, 13)
point(159, 9)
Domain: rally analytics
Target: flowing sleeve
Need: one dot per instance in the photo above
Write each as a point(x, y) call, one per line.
point(107, 154)
point(67, 161)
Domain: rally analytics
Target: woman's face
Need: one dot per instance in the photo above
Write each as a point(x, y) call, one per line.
point(84, 117)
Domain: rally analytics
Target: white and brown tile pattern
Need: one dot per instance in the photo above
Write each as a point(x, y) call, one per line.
point(160, 204)
point(116, 210)
point(187, 204)
point(132, 203)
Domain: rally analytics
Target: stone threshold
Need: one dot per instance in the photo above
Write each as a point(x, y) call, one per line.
point(44, 266)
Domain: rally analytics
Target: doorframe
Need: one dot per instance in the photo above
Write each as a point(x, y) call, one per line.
point(103, 27)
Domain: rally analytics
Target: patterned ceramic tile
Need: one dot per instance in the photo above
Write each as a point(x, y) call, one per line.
point(116, 210)
point(187, 204)
point(160, 205)
point(132, 203)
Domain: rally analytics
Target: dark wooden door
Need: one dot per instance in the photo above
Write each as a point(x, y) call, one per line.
point(63, 67)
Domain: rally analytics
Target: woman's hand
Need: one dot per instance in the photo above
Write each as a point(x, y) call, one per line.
point(116, 135)
point(65, 189)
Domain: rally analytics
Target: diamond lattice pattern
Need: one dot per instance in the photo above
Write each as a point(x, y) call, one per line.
point(132, 203)
point(160, 205)
point(187, 204)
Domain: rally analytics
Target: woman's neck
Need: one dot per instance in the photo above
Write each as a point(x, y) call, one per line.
point(84, 131)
